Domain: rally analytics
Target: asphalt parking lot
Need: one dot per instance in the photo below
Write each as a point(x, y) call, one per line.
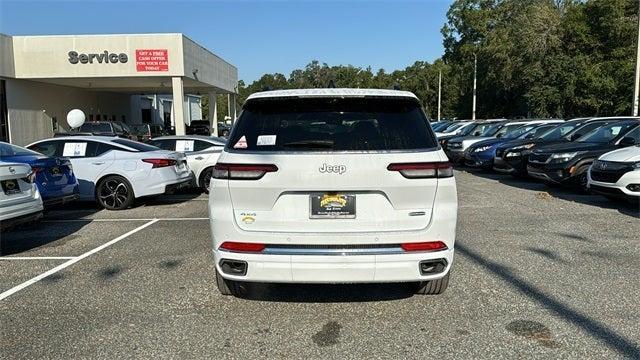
point(539, 273)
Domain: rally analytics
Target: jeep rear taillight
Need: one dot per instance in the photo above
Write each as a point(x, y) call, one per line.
point(424, 170)
point(242, 171)
point(424, 246)
point(235, 246)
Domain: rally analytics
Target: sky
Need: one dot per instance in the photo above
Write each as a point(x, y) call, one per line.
point(256, 36)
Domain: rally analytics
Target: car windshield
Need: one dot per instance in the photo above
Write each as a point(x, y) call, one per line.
point(608, 133)
point(453, 127)
point(558, 132)
point(440, 126)
point(135, 145)
point(485, 129)
point(507, 129)
point(332, 124)
point(526, 132)
point(9, 150)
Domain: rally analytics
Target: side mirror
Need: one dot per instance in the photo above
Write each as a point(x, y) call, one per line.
point(627, 141)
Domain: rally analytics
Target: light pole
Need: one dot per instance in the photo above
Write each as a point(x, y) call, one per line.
point(475, 76)
point(637, 83)
point(439, 92)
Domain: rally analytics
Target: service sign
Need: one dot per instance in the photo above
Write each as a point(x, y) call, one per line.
point(152, 60)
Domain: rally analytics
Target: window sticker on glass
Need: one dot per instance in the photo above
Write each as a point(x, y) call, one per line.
point(266, 140)
point(74, 149)
point(184, 145)
point(241, 144)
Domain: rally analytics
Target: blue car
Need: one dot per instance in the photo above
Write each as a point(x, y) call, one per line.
point(54, 176)
point(482, 153)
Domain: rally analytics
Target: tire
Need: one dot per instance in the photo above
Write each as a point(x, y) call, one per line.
point(114, 193)
point(228, 287)
point(434, 287)
point(205, 178)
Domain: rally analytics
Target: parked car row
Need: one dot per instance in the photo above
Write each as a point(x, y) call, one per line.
point(597, 154)
point(111, 171)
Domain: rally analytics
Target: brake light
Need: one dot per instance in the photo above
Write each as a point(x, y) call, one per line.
point(242, 171)
point(242, 247)
point(158, 163)
point(424, 246)
point(423, 170)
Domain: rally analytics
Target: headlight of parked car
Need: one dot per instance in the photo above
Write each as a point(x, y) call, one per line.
point(523, 147)
point(482, 148)
point(564, 157)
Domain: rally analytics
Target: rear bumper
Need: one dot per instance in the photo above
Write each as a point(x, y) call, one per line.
point(171, 188)
point(334, 269)
point(21, 220)
point(24, 211)
point(61, 199)
point(162, 182)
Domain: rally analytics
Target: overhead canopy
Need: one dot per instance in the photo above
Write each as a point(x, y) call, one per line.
point(140, 63)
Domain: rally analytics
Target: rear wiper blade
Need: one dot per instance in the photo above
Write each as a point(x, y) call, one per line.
point(311, 144)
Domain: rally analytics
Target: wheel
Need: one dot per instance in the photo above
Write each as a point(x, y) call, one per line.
point(114, 193)
point(228, 287)
point(205, 179)
point(434, 287)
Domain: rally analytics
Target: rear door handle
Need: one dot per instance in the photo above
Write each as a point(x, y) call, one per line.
point(199, 158)
point(98, 163)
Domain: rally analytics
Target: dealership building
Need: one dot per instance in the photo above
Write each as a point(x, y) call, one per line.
point(133, 78)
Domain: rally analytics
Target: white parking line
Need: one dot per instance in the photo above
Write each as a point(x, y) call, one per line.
point(72, 261)
point(36, 257)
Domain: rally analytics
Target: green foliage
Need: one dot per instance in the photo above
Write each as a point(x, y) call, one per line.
point(537, 58)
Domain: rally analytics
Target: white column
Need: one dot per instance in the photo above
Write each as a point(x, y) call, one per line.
point(213, 112)
point(235, 109)
point(178, 105)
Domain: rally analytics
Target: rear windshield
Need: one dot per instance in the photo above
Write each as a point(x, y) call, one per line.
point(335, 124)
point(96, 128)
point(8, 150)
point(135, 145)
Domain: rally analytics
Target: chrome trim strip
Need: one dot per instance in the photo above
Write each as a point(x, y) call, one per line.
point(332, 252)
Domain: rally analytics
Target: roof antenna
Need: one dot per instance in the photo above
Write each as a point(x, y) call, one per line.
point(396, 86)
point(332, 85)
point(267, 88)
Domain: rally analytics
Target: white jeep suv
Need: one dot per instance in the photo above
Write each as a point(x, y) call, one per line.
point(333, 186)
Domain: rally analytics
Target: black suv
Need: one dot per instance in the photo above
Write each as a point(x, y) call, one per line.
point(107, 128)
point(199, 127)
point(569, 162)
point(513, 157)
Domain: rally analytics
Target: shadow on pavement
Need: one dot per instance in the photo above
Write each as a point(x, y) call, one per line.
point(560, 192)
point(598, 330)
point(31, 236)
point(323, 293)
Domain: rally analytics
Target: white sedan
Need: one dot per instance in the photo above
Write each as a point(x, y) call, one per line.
point(20, 200)
point(202, 154)
point(116, 171)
